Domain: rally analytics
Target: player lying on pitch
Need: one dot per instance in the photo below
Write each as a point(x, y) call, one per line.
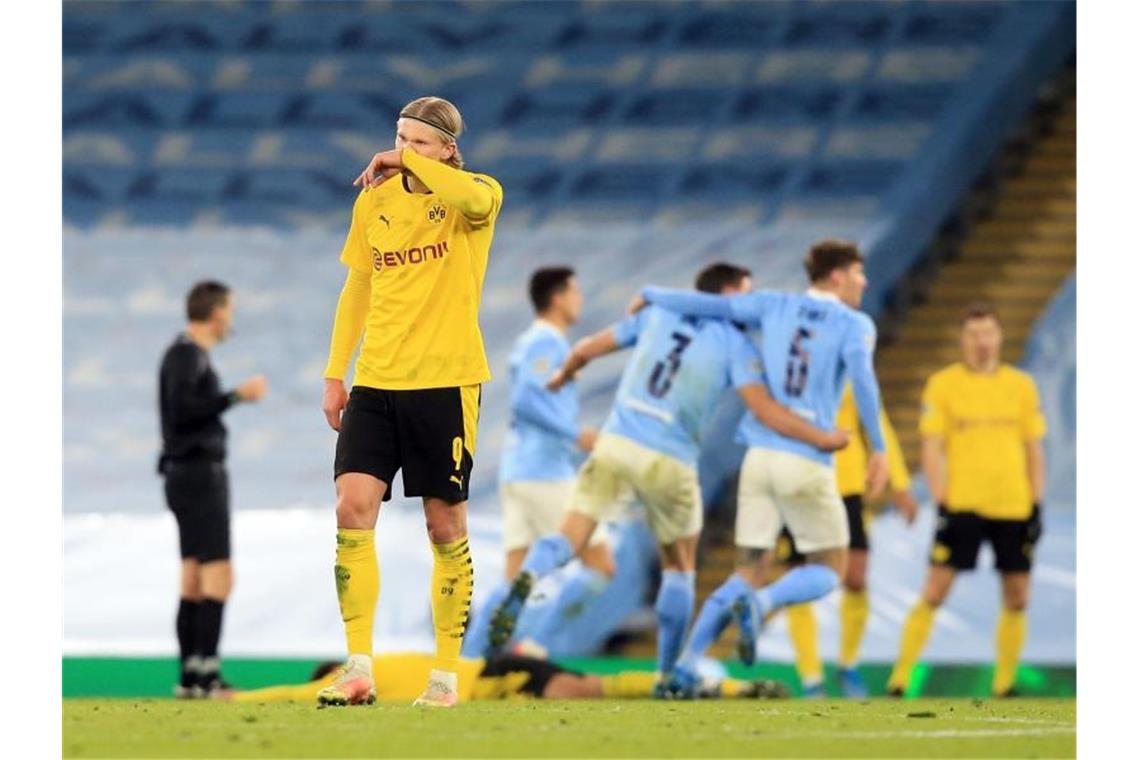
point(400, 677)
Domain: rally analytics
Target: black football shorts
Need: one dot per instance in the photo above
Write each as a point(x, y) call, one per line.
point(536, 675)
point(198, 493)
point(428, 433)
point(959, 536)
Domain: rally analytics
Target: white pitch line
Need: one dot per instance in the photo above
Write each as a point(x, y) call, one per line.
point(940, 733)
point(1027, 721)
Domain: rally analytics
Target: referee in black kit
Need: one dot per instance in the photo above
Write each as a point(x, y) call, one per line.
point(191, 402)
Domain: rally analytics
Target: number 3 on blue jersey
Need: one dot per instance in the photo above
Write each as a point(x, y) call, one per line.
point(795, 380)
point(661, 380)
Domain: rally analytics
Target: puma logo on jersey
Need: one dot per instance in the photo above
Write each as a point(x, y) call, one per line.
point(387, 222)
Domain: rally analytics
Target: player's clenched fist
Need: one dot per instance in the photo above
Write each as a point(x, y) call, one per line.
point(334, 401)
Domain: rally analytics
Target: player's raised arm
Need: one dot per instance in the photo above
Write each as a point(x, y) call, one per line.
point(613, 338)
point(858, 356)
point(747, 308)
point(585, 351)
point(531, 401)
point(475, 197)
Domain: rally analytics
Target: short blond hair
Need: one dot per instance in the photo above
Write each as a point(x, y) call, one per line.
point(442, 116)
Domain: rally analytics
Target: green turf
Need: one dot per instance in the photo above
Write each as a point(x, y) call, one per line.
point(792, 728)
point(154, 676)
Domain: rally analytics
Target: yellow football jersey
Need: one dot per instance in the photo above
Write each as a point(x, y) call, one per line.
point(851, 462)
point(425, 261)
point(985, 420)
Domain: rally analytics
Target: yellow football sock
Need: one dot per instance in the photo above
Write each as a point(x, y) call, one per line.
point(633, 684)
point(452, 583)
point(357, 586)
point(915, 632)
point(853, 610)
point(804, 633)
point(1008, 640)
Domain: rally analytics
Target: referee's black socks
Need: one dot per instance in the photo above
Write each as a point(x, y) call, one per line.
point(207, 632)
point(186, 624)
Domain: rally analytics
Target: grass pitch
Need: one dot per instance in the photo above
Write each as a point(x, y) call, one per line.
point(627, 728)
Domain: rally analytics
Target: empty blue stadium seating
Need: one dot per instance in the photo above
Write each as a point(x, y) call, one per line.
point(142, 72)
point(635, 141)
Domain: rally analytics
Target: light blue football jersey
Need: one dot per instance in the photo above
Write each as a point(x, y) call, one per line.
point(811, 343)
point(541, 443)
point(679, 368)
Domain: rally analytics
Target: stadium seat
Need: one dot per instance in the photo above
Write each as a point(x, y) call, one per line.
point(669, 107)
point(741, 30)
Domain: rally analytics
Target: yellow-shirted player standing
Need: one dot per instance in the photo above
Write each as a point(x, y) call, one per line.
point(416, 255)
point(983, 458)
point(854, 608)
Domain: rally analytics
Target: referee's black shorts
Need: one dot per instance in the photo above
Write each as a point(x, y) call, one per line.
point(198, 493)
point(428, 433)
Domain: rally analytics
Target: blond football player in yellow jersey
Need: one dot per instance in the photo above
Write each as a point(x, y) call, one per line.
point(854, 608)
point(984, 462)
point(416, 255)
point(400, 676)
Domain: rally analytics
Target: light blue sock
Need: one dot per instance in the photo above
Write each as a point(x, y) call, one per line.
point(580, 585)
point(479, 635)
point(803, 584)
point(714, 618)
point(675, 600)
point(547, 555)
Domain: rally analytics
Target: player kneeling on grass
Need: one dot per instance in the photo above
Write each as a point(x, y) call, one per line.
point(399, 677)
point(650, 443)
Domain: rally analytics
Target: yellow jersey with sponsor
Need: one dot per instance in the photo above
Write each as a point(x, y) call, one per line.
point(425, 260)
point(985, 420)
point(851, 462)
